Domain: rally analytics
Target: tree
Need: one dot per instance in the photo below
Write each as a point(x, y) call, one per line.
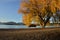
point(41, 10)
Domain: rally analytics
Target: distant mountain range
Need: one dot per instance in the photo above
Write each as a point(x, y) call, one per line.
point(11, 23)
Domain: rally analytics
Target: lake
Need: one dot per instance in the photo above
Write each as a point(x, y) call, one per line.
point(18, 26)
point(15, 26)
point(12, 26)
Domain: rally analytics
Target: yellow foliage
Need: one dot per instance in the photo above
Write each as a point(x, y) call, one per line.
point(27, 19)
point(32, 8)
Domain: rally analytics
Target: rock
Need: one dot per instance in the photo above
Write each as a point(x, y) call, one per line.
point(32, 25)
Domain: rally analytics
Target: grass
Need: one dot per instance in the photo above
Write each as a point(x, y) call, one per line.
point(30, 34)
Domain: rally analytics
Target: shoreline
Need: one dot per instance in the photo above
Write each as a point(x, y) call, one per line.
point(30, 29)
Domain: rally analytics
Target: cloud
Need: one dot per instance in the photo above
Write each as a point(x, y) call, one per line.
point(3, 19)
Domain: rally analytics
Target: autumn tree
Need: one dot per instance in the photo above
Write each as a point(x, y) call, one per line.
point(38, 11)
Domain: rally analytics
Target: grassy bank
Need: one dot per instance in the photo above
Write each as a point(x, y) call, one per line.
point(30, 34)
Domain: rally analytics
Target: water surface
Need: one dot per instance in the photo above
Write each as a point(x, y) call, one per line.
point(12, 26)
point(20, 26)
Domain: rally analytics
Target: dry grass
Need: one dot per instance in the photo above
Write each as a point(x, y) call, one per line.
point(30, 34)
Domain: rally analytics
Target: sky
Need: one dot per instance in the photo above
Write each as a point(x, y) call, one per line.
point(9, 11)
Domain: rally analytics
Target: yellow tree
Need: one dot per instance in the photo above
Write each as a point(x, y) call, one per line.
point(38, 10)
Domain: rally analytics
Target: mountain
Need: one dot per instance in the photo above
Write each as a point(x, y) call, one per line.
point(11, 23)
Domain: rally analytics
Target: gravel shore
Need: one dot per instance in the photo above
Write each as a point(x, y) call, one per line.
point(30, 34)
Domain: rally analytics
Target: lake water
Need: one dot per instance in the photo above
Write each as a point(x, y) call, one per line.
point(17, 26)
point(13, 26)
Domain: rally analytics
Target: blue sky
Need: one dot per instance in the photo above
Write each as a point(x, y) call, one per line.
point(9, 11)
